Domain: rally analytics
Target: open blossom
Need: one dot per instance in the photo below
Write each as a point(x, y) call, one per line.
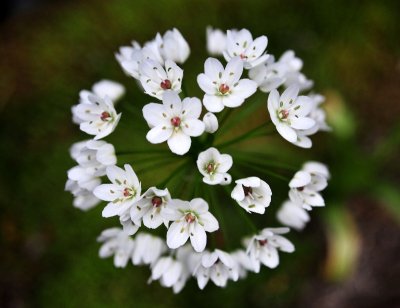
point(112, 89)
point(223, 87)
point(252, 194)
point(243, 262)
point(241, 44)
point(97, 116)
point(94, 156)
point(123, 191)
point(190, 220)
point(118, 243)
point(263, 248)
point(216, 41)
point(156, 79)
point(174, 47)
point(290, 112)
point(290, 67)
point(305, 188)
point(148, 249)
point(150, 208)
point(293, 215)
point(211, 123)
point(214, 167)
point(174, 121)
point(218, 266)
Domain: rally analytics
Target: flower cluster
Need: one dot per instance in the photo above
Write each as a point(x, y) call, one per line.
point(185, 209)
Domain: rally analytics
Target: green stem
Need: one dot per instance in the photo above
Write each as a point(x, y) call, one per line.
point(262, 159)
point(222, 229)
point(147, 152)
point(173, 174)
point(251, 133)
point(259, 168)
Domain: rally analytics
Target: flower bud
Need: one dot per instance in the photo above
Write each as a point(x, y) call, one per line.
point(211, 122)
point(109, 88)
point(216, 41)
point(174, 47)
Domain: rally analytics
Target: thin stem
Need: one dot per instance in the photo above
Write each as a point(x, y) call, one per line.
point(155, 166)
point(222, 229)
point(173, 174)
point(255, 156)
point(147, 152)
point(257, 167)
point(224, 117)
point(248, 134)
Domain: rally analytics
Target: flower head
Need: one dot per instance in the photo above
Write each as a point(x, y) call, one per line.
point(97, 116)
point(156, 79)
point(293, 215)
point(174, 121)
point(263, 248)
point(216, 41)
point(214, 167)
point(241, 44)
point(289, 112)
point(223, 87)
point(174, 47)
point(150, 208)
point(252, 194)
point(190, 220)
point(122, 193)
point(148, 249)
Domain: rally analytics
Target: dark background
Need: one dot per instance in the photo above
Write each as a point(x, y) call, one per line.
point(49, 50)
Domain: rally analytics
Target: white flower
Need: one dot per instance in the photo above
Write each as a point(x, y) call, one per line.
point(174, 47)
point(112, 89)
point(190, 220)
point(293, 215)
point(316, 167)
point(263, 248)
point(216, 41)
point(241, 44)
point(83, 178)
point(305, 188)
point(290, 67)
point(148, 249)
point(189, 260)
point(150, 208)
point(268, 75)
point(243, 262)
point(94, 156)
point(214, 167)
point(211, 123)
point(289, 112)
point(167, 270)
point(129, 226)
point(218, 266)
point(252, 194)
point(123, 191)
point(174, 121)
point(156, 80)
point(223, 87)
point(97, 116)
point(118, 243)
point(83, 198)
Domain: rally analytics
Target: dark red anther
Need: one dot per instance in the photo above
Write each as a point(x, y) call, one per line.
point(190, 218)
point(105, 115)
point(176, 121)
point(156, 201)
point(166, 84)
point(247, 190)
point(223, 88)
point(126, 192)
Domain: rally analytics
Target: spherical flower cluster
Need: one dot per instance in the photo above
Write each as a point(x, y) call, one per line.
point(199, 176)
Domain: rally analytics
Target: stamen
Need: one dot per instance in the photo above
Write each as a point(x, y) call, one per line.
point(156, 201)
point(176, 121)
point(223, 88)
point(105, 115)
point(247, 190)
point(166, 84)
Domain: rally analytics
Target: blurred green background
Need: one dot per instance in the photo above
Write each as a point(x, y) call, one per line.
point(346, 257)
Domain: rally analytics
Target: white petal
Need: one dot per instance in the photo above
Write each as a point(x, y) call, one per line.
point(206, 84)
point(198, 238)
point(269, 256)
point(213, 69)
point(159, 134)
point(213, 103)
point(300, 179)
point(106, 192)
point(153, 114)
point(191, 107)
point(177, 235)
point(179, 143)
point(301, 123)
point(286, 132)
point(193, 127)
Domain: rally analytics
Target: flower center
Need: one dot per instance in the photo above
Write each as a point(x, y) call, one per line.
point(156, 201)
point(127, 192)
point(243, 56)
point(105, 116)
point(283, 114)
point(166, 84)
point(247, 190)
point(300, 188)
point(210, 168)
point(190, 218)
point(176, 121)
point(223, 88)
point(263, 242)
